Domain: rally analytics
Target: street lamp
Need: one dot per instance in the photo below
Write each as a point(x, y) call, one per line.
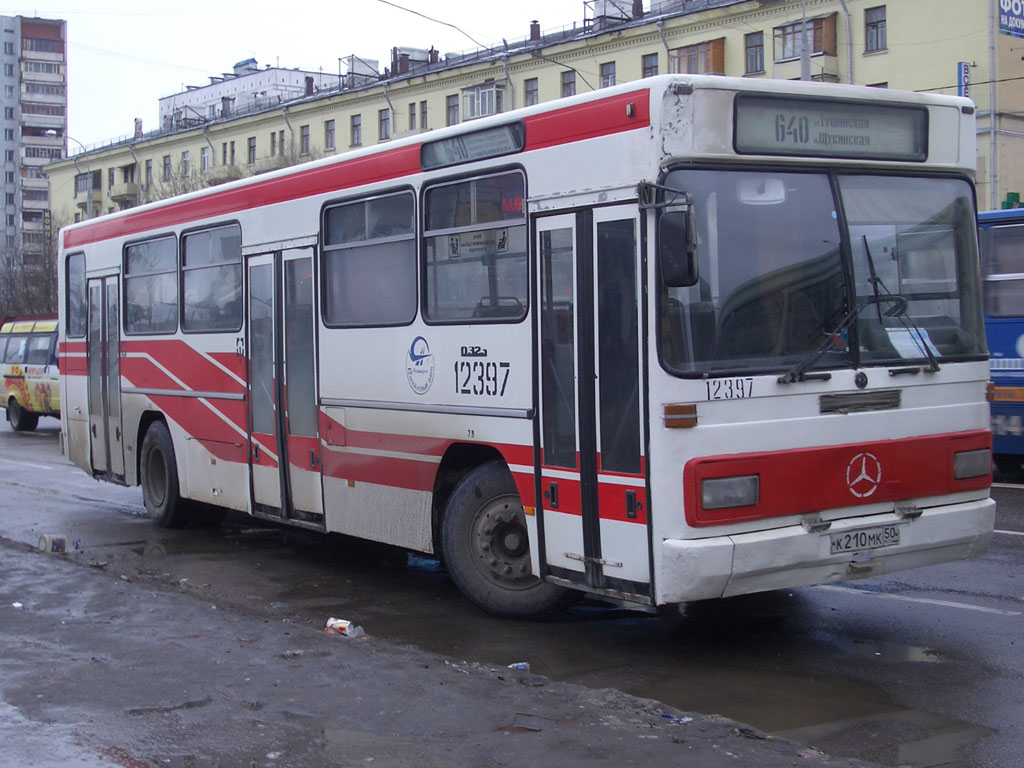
point(78, 171)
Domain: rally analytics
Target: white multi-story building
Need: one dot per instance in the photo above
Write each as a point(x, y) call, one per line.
point(34, 87)
point(245, 89)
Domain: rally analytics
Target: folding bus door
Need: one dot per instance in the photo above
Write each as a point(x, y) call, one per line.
point(103, 337)
point(592, 481)
point(284, 450)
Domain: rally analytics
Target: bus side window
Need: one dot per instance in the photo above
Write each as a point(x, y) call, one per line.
point(75, 299)
point(369, 262)
point(475, 264)
point(39, 350)
point(16, 349)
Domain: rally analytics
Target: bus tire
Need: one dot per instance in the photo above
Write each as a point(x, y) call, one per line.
point(158, 475)
point(487, 551)
point(20, 419)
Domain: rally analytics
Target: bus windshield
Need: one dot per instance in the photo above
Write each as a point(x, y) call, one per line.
point(849, 269)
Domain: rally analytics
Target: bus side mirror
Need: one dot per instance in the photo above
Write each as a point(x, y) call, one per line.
point(677, 247)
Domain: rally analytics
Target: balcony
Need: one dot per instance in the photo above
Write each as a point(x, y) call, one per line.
point(125, 194)
point(82, 200)
point(35, 205)
point(824, 68)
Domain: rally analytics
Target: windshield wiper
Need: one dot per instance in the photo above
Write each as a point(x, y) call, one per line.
point(799, 371)
point(908, 321)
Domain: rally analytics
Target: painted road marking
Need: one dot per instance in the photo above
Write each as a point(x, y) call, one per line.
point(26, 464)
point(1010, 533)
point(923, 600)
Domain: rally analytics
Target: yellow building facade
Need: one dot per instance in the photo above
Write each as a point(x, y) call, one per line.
point(938, 46)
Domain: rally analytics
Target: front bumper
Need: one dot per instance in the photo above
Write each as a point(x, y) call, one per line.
point(792, 556)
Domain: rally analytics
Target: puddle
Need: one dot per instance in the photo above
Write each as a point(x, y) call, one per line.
point(886, 651)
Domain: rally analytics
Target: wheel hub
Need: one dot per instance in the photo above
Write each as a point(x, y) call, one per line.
point(501, 542)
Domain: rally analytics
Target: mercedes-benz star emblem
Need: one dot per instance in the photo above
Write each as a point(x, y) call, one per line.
point(863, 474)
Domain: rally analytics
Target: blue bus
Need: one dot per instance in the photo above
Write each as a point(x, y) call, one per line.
point(1002, 256)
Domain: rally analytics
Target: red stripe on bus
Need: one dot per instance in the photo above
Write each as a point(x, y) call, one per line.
point(196, 371)
point(74, 365)
point(602, 117)
point(624, 112)
point(806, 480)
point(293, 186)
point(210, 427)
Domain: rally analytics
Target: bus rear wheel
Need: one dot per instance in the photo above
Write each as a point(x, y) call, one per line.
point(20, 419)
point(487, 550)
point(159, 479)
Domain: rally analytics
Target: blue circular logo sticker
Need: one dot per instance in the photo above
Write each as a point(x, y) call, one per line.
point(419, 368)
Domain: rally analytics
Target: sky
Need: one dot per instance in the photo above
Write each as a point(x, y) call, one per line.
point(124, 55)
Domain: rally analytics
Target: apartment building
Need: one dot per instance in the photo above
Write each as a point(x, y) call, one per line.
point(34, 85)
point(923, 45)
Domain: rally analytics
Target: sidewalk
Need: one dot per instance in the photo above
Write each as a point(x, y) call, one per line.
point(96, 671)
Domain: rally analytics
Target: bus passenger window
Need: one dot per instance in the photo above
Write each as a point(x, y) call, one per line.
point(75, 298)
point(370, 262)
point(212, 280)
point(17, 349)
point(151, 286)
point(475, 250)
point(38, 350)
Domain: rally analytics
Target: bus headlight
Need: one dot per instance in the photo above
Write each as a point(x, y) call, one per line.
point(972, 464)
point(726, 492)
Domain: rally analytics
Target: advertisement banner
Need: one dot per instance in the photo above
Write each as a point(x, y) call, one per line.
point(1011, 17)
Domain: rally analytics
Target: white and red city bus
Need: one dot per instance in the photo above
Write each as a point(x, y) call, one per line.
point(677, 339)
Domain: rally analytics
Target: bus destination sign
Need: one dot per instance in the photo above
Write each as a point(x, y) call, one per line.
point(479, 145)
point(769, 125)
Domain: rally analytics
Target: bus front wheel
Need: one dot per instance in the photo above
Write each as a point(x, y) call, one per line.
point(159, 478)
point(487, 551)
point(20, 419)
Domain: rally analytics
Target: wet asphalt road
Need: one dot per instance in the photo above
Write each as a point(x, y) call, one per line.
point(918, 669)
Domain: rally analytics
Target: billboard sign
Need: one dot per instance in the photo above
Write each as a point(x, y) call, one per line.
point(963, 79)
point(1011, 17)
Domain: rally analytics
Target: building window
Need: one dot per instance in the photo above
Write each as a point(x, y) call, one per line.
point(356, 130)
point(224, 153)
point(482, 100)
point(569, 83)
point(383, 124)
point(273, 143)
point(874, 29)
point(649, 65)
point(531, 92)
point(412, 116)
point(303, 140)
point(754, 44)
point(329, 134)
point(821, 37)
point(167, 167)
point(251, 150)
point(608, 74)
point(149, 172)
point(186, 163)
point(231, 146)
point(205, 159)
point(423, 116)
point(700, 59)
point(280, 142)
point(452, 109)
